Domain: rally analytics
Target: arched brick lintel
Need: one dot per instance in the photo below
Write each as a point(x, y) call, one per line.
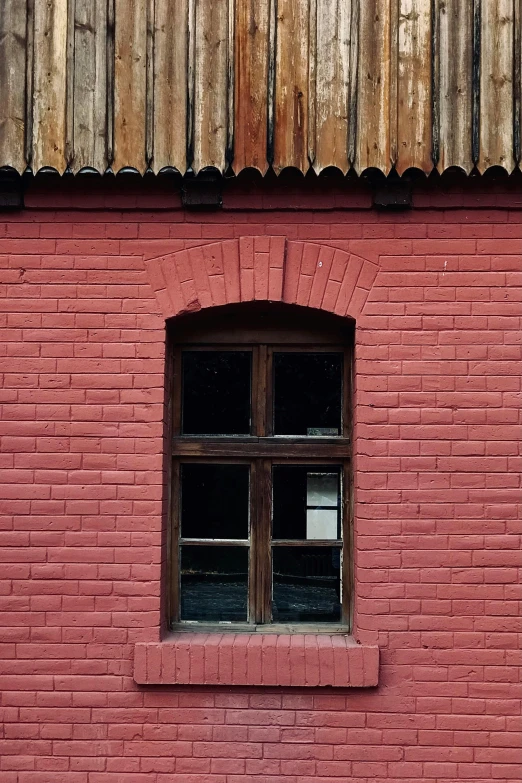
point(261, 268)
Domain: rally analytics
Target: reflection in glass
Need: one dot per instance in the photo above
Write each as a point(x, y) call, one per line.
point(216, 392)
point(308, 393)
point(306, 584)
point(322, 505)
point(214, 583)
point(214, 500)
point(306, 502)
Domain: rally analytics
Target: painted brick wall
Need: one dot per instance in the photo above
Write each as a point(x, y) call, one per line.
point(438, 560)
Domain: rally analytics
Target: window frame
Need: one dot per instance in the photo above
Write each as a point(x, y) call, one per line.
point(261, 450)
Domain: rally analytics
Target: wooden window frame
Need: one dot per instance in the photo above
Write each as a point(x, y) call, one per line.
point(261, 450)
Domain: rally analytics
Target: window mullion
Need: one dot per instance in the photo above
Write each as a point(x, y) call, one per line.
point(173, 544)
point(264, 559)
point(259, 390)
point(260, 581)
point(347, 550)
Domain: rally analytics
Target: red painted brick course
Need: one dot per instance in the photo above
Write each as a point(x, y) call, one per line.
point(436, 293)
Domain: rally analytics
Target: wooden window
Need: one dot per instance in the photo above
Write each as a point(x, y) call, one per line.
point(259, 469)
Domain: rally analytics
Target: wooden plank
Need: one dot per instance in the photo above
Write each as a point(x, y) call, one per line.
point(251, 85)
point(210, 84)
point(496, 85)
point(149, 84)
point(277, 448)
point(49, 88)
point(517, 86)
point(455, 53)
point(414, 86)
point(170, 84)
point(374, 84)
point(291, 85)
point(231, 78)
point(12, 83)
point(130, 80)
point(310, 542)
point(334, 42)
point(90, 85)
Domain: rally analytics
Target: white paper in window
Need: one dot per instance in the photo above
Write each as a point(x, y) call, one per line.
point(322, 501)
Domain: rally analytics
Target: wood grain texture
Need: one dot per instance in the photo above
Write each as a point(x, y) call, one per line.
point(210, 84)
point(291, 85)
point(455, 53)
point(90, 85)
point(517, 85)
point(414, 86)
point(170, 84)
point(496, 85)
point(374, 83)
point(130, 84)
point(194, 84)
point(251, 85)
point(334, 41)
point(49, 96)
point(12, 83)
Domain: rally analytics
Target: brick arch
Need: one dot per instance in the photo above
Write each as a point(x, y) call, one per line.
point(261, 268)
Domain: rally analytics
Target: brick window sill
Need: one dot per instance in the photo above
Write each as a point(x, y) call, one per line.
point(257, 659)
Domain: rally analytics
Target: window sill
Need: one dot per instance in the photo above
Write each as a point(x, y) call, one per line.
point(303, 660)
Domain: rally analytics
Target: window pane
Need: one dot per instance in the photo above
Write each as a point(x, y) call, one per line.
point(322, 505)
point(214, 501)
point(306, 502)
point(216, 392)
point(306, 584)
point(214, 583)
point(308, 393)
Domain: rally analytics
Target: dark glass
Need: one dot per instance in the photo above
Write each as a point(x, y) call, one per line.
point(306, 502)
point(216, 392)
point(306, 584)
point(308, 393)
point(214, 583)
point(214, 500)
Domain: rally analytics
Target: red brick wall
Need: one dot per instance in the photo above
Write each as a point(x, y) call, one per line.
point(437, 518)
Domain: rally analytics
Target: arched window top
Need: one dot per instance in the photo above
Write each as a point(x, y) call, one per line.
point(262, 322)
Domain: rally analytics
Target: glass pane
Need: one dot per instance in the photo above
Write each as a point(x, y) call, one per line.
point(214, 501)
point(322, 505)
point(216, 392)
point(306, 584)
point(306, 502)
point(214, 583)
point(308, 393)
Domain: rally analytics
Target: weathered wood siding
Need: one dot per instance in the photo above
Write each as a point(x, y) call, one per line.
point(188, 84)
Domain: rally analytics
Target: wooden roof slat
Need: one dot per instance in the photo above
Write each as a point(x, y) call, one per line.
point(414, 137)
point(90, 85)
point(170, 84)
point(130, 83)
point(455, 52)
point(49, 86)
point(334, 40)
point(12, 87)
point(291, 85)
point(251, 85)
point(496, 85)
point(373, 139)
point(210, 84)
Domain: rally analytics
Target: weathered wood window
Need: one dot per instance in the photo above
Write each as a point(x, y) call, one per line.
point(259, 530)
